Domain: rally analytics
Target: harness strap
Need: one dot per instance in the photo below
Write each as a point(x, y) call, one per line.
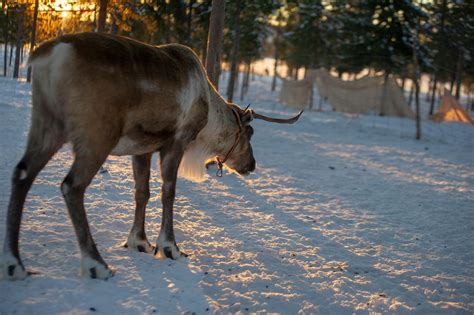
point(220, 163)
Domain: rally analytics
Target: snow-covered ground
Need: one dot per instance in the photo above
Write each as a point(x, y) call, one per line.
point(344, 214)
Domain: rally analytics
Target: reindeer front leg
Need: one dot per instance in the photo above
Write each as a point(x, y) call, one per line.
point(170, 158)
point(137, 239)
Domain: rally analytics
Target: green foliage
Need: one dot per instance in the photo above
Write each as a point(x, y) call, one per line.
point(254, 27)
point(305, 33)
point(344, 35)
point(384, 35)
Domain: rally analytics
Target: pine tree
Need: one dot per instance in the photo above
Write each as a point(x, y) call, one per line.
point(214, 46)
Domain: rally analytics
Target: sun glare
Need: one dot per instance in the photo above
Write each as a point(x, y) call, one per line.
point(66, 7)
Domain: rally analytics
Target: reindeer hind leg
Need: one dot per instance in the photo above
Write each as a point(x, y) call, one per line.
point(45, 138)
point(91, 147)
point(137, 239)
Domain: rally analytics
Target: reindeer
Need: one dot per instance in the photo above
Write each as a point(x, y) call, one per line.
point(111, 95)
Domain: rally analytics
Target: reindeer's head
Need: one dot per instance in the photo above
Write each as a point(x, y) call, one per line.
point(239, 157)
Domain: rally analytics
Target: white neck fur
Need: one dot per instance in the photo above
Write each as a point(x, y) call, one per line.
point(203, 149)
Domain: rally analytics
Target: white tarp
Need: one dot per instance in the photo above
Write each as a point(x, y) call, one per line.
point(368, 94)
point(295, 93)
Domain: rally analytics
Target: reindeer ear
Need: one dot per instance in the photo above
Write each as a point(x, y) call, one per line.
point(246, 115)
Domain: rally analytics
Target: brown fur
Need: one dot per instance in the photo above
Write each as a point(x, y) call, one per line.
point(105, 70)
point(127, 56)
point(113, 95)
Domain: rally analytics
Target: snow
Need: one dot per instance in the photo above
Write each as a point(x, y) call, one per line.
point(344, 214)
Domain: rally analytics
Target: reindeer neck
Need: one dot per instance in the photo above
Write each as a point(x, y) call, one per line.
point(212, 140)
point(220, 117)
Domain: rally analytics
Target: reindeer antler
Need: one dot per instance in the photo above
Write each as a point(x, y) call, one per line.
point(277, 120)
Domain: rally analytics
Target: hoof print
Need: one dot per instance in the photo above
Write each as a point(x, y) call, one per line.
point(11, 270)
point(93, 273)
point(141, 249)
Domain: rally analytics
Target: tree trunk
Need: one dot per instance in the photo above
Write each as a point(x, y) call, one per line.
point(247, 77)
point(276, 55)
point(5, 39)
point(214, 41)
point(19, 34)
point(22, 52)
point(238, 76)
point(416, 81)
point(5, 58)
point(451, 83)
point(469, 97)
point(412, 90)
point(245, 81)
point(275, 70)
point(433, 94)
point(33, 37)
point(242, 86)
point(102, 16)
point(190, 21)
point(458, 76)
point(430, 84)
point(114, 26)
point(11, 54)
point(417, 112)
point(234, 69)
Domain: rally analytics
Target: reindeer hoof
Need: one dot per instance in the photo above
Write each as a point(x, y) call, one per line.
point(140, 245)
point(91, 268)
point(12, 268)
point(168, 250)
